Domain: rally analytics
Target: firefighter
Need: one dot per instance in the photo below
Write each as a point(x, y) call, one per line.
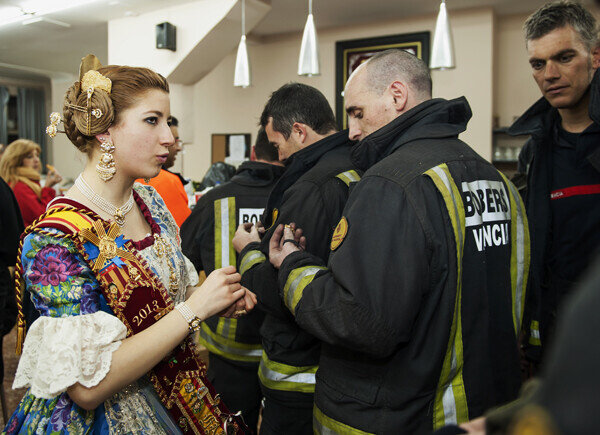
point(420, 305)
point(234, 345)
point(312, 192)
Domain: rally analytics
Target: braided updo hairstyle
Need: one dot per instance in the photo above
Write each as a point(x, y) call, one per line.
point(128, 85)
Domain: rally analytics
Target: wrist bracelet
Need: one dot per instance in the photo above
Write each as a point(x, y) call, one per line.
point(194, 321)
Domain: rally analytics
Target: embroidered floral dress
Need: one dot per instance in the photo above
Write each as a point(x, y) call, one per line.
point(76, 334)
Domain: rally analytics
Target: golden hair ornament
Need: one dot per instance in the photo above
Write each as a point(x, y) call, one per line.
point(90, 80)
point(52, 129)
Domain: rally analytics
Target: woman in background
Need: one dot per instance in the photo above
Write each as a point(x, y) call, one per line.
point(20, 167)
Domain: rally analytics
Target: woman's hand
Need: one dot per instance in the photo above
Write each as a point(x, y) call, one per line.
point(241, 307)
point(53, 177)
point(218, 292)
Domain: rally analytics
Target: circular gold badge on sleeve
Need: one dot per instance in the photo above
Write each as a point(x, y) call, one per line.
point(340, 232)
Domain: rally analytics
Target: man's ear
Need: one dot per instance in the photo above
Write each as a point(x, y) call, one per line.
point(399, 93)
point(300, 129)
point(596, 57)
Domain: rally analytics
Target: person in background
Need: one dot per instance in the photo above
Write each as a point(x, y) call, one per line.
point(234, 344)
point(419, 306)
point(11, 225)
point(563, 181)
point(170, 185)
point(20, 167)
point(312, 192)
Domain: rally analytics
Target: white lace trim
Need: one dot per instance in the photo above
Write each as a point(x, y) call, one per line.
point(61, 351)
point(191, 276)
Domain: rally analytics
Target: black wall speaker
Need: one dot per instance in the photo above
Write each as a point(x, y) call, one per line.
point(165, 36)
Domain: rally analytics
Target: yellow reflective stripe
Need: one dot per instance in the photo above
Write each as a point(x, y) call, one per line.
point(349, 177)
point(229, 348)
point(450, 399)
point(324, 425)
point(226, 328)
point(519, 257)
point(534, 333)
point(250, 259)
point(278, 376)
point(297, 281)
point(225, 221)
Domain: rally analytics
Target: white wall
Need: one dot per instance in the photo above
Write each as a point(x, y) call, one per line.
point(66, 158)
point(221, 108)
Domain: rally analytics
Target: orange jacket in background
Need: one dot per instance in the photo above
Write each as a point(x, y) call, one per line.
point(171, 190)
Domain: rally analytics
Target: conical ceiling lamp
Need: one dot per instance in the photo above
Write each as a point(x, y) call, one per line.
point(242, 64)
point(442, 52)
point(308, 62)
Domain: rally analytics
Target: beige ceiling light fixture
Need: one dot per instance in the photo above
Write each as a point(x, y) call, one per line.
point(241, 77)
point(442, 52)
point(308, 62)
point(33, 11)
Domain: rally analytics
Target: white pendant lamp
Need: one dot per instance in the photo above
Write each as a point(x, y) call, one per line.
point(442, 52)
point(308, 62)
point(241, 77)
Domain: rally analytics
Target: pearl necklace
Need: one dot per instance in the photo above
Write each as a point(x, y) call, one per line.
point(117, 212)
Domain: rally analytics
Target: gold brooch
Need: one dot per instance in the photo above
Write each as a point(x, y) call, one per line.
point(106, 243)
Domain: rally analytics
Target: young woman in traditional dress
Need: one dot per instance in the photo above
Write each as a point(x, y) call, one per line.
point(110, 352)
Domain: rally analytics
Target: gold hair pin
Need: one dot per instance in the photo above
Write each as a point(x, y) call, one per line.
point(52, 129)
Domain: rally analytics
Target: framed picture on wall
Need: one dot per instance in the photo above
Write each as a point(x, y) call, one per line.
point(230, 148)
point(350, 54)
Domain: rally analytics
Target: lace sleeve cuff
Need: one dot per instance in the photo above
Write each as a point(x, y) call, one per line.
point(60, 352)
point(191, 276)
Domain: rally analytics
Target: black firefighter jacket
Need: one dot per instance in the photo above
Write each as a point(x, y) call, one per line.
point(206, 240)
point(311, 193)
point(545, 287)
point(419, 308)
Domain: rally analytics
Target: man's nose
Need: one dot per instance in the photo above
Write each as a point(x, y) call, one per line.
point(354, 131)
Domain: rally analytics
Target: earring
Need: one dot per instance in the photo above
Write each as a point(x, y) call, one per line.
point(106, 166)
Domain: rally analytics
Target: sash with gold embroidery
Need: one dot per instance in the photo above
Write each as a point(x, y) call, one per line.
point(139, 299)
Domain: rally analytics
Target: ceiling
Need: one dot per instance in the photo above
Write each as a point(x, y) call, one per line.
point(50, 50)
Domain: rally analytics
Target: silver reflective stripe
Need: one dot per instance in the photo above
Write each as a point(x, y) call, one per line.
point(318, 428)
point(249, 258)
point(449, 406)
point(230, 349)
point(520, 254)
point(300, 378)
point(535, 333)
point(293, 286)
point(349, 177)
point(225, 245)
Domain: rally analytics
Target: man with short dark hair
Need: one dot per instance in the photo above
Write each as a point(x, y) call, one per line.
point(234, 345)
point(170, 185)
point(419, 308)
point(563, 185)
point(312, 192)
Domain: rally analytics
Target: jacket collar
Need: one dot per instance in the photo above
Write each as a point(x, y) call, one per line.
point(257, 173)
point(307, 157)
point(436, 118)
point(539, 116)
